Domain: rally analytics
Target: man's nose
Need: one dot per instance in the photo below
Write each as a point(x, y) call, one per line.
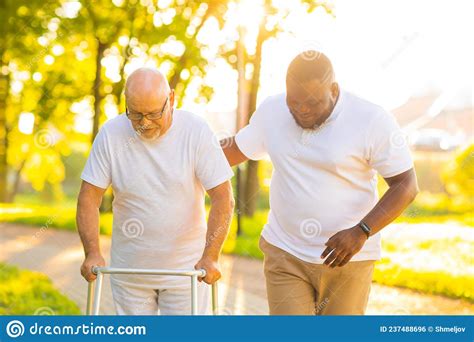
point(144, 122)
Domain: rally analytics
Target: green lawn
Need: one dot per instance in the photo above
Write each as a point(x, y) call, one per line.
point(453, 279)
point(25, 292)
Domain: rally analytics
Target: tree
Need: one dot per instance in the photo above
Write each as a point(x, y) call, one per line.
point(270, 25)
point(458, 176)
point(21, 22)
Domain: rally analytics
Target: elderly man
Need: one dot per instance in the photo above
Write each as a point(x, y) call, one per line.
point(323, 230)
point(159, 162)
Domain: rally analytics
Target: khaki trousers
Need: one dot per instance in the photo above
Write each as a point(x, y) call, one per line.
point(296, 287)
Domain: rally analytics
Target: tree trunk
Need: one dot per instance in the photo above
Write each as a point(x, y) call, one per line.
point(16, 182)
point(96, 88)
point(4, 86)
point(105, 205)
point(252, 187)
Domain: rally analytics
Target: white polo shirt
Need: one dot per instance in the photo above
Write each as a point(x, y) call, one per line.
point(159, 218)
point(324, 180)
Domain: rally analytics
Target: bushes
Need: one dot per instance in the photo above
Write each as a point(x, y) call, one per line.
point(432, 282)
point(24, 292)
point(458, 175)
point(45, 217)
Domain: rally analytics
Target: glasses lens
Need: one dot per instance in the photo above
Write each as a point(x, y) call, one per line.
point(134, 116)
point(154, 116)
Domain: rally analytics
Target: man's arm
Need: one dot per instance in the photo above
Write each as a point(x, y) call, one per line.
point(87, 219)
point(403, 189)
point(232, 152)
point(220, 216)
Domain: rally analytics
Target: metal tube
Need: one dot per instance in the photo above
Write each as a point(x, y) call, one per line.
point(114, 270)
point(98, 291)
point(90, 297)
point(194, 299)
point(94, 292)
point(215, 299)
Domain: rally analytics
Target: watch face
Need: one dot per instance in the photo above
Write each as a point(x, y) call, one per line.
point(365, 228)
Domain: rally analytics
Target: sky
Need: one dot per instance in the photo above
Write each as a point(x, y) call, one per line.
point(384, 50)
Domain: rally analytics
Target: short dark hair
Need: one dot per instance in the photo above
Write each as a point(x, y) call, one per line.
point(310, 65)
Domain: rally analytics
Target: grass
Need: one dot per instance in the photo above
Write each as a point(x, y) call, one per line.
point(447, 284)
point(24, 292)
point(463, 219)
point(48, 216)
point(401, 267)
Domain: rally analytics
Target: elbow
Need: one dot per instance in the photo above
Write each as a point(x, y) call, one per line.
point(225, 203)
point(413, 190)
point(230, 204)
point(222, 199)
point(80, 202)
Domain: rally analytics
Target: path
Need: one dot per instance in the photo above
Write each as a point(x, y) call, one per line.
point(59, 254)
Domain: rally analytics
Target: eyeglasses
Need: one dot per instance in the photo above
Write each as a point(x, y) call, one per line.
point(151, 116)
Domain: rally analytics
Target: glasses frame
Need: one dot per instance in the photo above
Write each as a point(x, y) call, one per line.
point(159, 114)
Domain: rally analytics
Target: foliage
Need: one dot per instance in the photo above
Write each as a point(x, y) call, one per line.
point(24, 292)
point(459, 174)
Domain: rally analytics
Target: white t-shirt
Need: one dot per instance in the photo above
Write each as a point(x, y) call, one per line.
point(323, 180)
point(159, 218)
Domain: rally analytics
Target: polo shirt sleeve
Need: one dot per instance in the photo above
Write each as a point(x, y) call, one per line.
point(97, 170)
point(389, 153)
point(250, 139)
point(211, 165)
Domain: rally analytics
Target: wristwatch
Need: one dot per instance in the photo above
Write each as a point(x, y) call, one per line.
point(365, 228)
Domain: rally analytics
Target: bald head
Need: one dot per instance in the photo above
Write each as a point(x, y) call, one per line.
point(146, 82)
point(310, 65)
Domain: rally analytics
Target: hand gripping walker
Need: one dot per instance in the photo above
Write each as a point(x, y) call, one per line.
point(94, 292)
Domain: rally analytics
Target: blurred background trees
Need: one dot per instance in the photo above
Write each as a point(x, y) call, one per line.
point(63, 65)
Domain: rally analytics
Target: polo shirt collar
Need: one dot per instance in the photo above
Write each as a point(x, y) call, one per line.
point(337, 108)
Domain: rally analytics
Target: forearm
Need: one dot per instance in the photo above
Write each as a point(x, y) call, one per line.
point(395, 200)
point(218, 225)
point(87, 220)
point(232, 152)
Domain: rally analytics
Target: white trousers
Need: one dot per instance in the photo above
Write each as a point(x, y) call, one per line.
point(133, 299)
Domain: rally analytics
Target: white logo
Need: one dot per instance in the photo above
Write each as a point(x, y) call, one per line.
point(44, 311)
point(222, 139)
point(132, 228)
point(310, 228)
point(398, 139)
point(44, 139)
point(15, 329)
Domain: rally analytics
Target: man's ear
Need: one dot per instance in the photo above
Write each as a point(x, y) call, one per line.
point(172, 98)
point(334, 89)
